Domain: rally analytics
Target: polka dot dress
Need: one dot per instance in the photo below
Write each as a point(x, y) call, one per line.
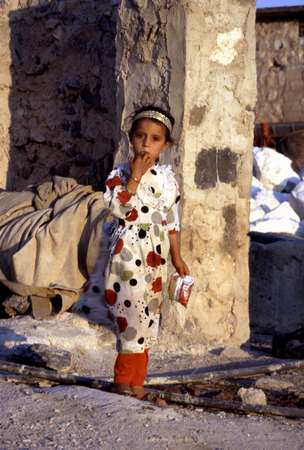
point(137, 266)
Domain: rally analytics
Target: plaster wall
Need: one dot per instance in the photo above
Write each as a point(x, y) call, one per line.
point(280, 72)
point(209, 48)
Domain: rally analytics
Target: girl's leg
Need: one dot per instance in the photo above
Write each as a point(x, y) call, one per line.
point(138, 380)
point(124, 370)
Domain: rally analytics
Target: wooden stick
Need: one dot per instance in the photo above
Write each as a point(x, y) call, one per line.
point(232, 406)
point(31, 374)
point(214, 375)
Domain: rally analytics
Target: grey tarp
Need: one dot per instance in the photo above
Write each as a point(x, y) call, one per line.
point(49, 238)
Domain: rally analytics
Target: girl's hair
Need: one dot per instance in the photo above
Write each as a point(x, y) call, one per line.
point(156, 109)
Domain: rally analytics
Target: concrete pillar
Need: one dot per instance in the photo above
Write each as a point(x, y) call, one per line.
point(197, 58)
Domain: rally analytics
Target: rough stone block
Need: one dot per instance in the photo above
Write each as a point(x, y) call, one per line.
point(276, 284)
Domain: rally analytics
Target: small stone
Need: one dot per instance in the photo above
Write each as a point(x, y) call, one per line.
point(252, 396)
point(278, 44)
point(58, 33)
point(273, 383)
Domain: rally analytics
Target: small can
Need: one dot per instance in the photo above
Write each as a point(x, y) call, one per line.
point(180, 288)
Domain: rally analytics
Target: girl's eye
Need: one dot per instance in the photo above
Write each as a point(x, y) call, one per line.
point(138, 135)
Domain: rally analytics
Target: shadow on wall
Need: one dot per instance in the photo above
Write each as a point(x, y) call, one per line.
point(63, 96)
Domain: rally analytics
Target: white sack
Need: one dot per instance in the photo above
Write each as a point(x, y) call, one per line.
point(273, 169)
point(283, 219)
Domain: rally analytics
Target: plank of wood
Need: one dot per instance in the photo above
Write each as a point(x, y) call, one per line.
point(267, 367)
point(226, 405)
point(30, 373)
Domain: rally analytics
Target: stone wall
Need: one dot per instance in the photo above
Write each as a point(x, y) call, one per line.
point(198, 59)
point(57, 90)
point(280, 72)
point(195, 57)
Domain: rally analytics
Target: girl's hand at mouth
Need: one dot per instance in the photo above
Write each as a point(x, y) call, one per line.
point(140, 164)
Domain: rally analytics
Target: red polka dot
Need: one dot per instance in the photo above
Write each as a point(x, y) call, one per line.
point(119, 246)
point(153, 259)
point(112, 182)
point(110, 296)
point(124, 196)
point(122, 324)
point(132, 215)
point(157, 285)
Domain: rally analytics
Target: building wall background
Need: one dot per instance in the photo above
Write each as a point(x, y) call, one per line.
point(280, 72)
point(209, 50)
point(73, 83)
point(57, 90)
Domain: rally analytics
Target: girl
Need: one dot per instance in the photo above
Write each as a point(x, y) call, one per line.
point(143, 196)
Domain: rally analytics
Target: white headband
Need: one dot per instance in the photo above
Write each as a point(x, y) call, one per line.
point(150, 114)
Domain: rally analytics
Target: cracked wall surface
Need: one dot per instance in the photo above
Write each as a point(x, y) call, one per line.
point(209, 50)
point(280, 72)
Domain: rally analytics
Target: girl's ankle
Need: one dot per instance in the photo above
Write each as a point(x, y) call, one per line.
point(139, 391)
point(122, 388)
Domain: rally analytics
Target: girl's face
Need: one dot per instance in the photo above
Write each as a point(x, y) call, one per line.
point(149, 137)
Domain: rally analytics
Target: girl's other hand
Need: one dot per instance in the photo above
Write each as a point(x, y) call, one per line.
point(180, 266)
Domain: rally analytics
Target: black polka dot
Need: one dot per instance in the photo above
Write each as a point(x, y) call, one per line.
point(152, 189)
point(95, 289)
point(147, 310)
point(116, 287)
point(141, 340)
point(177, 199)
point(127, 303)
point(133, 282)
point(163, 261)
point(138, 262)
point(142, 234)
point(153, 172)
point(151, 323)
point(145, 209)
point(121, 222)
point(158, 249)
point(86, 309)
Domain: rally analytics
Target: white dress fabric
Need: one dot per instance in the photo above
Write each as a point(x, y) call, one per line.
point(137, 266)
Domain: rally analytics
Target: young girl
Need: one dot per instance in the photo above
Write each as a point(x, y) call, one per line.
point(143, 195)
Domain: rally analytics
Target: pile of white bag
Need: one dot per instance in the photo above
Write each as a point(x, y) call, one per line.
point(277, 194)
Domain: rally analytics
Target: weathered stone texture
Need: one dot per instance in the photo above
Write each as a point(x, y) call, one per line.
point(194, 57)
point(59, 95)
point(198, 59)
point(151, 62)
point(276, 285)
point(280, 72)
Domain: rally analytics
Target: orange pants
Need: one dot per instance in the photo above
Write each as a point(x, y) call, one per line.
point(131, 368)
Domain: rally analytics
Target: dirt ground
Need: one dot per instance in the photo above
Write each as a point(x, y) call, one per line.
point(74, 417)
